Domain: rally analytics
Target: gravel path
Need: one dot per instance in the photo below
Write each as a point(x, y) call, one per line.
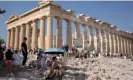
point(90, 69)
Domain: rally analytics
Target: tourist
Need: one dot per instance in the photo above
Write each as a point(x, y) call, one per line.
point(43, 62)
point(24, 51)
point(39, 57)
point(9, 59)
point(1, 59)
point(66, 48)
point(17, 56)
point(54, 69)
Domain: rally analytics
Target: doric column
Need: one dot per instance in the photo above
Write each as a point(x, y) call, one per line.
point(111, 42)
point(21, 35)
point(98, 40)
point(130, 43)
point(34, 35)
point(91, 38)
point(124, 45)
point(119, 43)
point(107, 42)
point(49, 32)
point(69, 34)
point(42, 34)
point(102, 38)
point(59, 33)
point(77, 30)
point(28, 35)
point(104, 41)
point(84, 37)
point(8, 38)
point(128, 48)
point(114, 43)
point(12, 38)
point(16, 38)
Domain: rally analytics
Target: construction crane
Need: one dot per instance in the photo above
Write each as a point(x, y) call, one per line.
point(2, 11)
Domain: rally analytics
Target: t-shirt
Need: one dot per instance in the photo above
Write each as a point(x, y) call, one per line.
point(24, 45)
point(66, 48)
point(9, 55)
point(17, 58)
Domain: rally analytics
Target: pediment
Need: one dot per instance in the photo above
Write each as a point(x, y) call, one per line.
point(13, 17)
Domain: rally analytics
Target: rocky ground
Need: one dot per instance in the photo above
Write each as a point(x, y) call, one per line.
point(103, 68)
point(87, 69)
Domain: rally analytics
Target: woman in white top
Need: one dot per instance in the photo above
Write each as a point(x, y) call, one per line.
point(18, 57)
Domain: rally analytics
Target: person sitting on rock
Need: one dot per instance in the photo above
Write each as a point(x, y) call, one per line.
point(54, 69)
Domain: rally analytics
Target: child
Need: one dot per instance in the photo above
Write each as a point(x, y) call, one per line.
point(9, 58)
point(39, 57)
point(43, 62)
point(18, 57)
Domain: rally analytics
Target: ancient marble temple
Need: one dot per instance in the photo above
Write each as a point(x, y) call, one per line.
point(103, 37)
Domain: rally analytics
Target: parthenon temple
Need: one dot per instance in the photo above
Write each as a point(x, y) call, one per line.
point(102, 36)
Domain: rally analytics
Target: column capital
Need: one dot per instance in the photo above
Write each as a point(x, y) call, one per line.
point(84, 25)
point(90, 26)
point(8, 29)
point(13, 28)
point(17, 27)
point(43, 17)
point(57, 17)
point(29, 22)
point(50, 15)
point(76, 22)
point(34, 20)
point(97, 28)
point(23, 25)
point(67, 20)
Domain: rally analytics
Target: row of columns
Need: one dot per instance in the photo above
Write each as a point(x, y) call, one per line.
point(105, 41)
point(111, 43)
point(16, 35)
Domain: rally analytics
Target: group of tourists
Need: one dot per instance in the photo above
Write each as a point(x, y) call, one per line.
point(10, 57)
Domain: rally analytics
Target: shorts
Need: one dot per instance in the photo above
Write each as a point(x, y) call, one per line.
point(9, 62)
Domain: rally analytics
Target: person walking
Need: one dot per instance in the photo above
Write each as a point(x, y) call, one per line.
point(24, 51)
point(66, 48)
point(9, 59)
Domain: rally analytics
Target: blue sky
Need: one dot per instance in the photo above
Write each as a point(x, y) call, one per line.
point(113, 12)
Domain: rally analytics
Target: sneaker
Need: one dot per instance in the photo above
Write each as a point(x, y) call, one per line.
point(12, 75)
point(8, 75)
